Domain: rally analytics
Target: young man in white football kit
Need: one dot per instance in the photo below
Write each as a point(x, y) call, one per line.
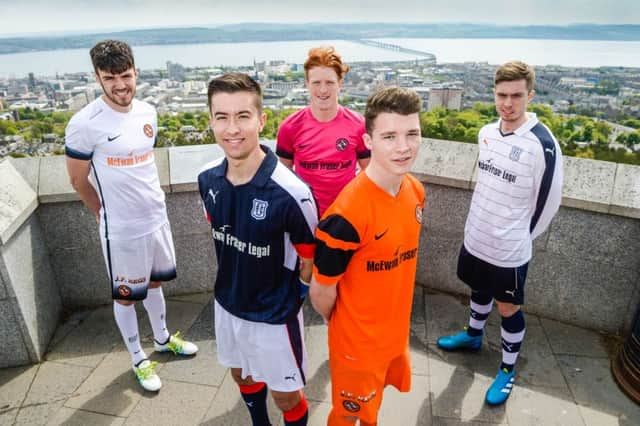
point(109, 148)
point(518, 192)
point(262, 220)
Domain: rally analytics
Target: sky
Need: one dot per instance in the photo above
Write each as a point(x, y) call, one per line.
point(45, 16)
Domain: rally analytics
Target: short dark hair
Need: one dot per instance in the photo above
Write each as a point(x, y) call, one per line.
point(391, 99)
point(514, 71)
point(113, 56)
point(235, 82)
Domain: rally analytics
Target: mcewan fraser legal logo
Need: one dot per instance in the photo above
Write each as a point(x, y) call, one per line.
point(488, 167)
point(391, 263)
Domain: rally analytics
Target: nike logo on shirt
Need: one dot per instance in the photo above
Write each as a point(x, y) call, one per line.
point(378, 236)
point(111, 139)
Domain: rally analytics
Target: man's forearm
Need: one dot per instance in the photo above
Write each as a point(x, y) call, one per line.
point(323, 298)
point(89, 196)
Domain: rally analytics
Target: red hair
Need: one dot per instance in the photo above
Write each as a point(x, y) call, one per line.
point(325, 56)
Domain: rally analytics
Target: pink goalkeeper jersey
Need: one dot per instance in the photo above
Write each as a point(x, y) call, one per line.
point(324, 154)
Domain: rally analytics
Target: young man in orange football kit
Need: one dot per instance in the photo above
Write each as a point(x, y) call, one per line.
point(365, 263)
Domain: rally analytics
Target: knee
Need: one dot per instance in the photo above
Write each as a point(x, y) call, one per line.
point(286, 400)
point(124, 302)
point(155, 284)
point(236, 374)
point(507, 309)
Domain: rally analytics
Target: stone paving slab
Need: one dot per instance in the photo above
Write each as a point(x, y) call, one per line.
point(70, 417)
point(537, 364)
point(8, 417)
point(593, 387)
point(567, 339)
point(228, 409)
point(48, 385)
point(554, 387)
point(177, 403)
point(111, 389)
point(14, 385)
point(458, 391)
point(410, 408)
point(77, 349)
point(203, 368)
point(533, 405)
point(39, 414)
point(443, 421)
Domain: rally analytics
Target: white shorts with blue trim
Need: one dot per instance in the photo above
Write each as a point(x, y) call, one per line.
point(132, 264)
point(270, 353)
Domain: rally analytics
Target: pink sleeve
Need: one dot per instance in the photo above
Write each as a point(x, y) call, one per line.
point(361, 150)
point(284, 146)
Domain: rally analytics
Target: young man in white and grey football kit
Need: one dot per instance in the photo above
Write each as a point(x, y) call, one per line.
point(518, 192)
point(109, 149)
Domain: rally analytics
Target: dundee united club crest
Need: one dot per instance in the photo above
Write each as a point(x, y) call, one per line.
point(342, 144)
point(351, 406)
point(124, 291)
point(148, 130)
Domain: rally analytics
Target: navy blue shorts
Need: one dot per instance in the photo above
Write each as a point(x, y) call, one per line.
point(504, 284)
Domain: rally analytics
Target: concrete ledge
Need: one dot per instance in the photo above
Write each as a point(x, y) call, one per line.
point(161, 156)
point(588, 184)
point(625, 200)
point(185, 163)
point(54, 184)
point(444, 163)
point(29, 169)
point(17, 201)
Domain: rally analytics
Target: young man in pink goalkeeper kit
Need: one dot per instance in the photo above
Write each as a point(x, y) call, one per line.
point(323, 141)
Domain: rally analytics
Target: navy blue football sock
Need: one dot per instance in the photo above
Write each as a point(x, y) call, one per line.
point(512, 332)
point(255, 396)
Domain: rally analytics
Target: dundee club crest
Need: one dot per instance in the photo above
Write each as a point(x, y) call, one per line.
point(259, 209)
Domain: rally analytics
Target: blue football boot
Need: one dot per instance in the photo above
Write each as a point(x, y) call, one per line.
point(501, 387)
point(461, 340)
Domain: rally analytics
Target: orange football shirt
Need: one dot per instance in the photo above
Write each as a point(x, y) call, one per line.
point(367, 242)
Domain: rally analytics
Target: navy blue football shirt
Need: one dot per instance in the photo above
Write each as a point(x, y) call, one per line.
point(259, 229)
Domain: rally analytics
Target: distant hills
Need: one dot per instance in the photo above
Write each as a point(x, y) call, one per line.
point(254, 32)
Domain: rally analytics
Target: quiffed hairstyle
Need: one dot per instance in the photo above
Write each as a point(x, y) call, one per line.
point(112, 56)
point(392, 99)
point(325, 56)
point(514, 71)
point(235, 82)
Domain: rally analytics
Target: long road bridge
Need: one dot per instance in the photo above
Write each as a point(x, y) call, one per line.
point(429, 57)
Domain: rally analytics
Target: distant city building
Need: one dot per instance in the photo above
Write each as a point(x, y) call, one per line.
point(577, 83)
point(447, 97)
point(175, 71)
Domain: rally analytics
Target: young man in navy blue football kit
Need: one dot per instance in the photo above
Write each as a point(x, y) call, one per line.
point(518, 192)
point(263, 219)
point(109, 148)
